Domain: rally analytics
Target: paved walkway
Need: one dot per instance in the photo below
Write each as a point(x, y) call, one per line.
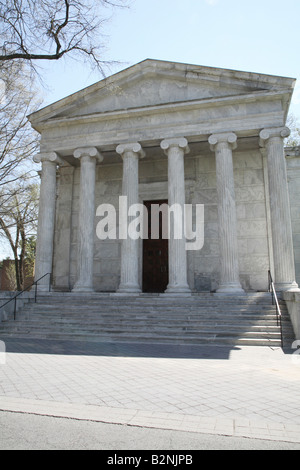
point(245, 391)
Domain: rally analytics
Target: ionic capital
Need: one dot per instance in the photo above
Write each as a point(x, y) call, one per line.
point(228, 138)
point(131, 147)
point(267, 134)
point(90, 152)
point(178, 142)
point(52, 157)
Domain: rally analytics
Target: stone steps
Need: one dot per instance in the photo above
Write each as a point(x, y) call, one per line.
point(155, 323)
point(197, 319)
point(197, 340)
point(165, 316)
point(214, 328)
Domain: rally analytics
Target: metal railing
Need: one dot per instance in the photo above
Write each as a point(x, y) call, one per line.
point(275, 301)
point(35, 283)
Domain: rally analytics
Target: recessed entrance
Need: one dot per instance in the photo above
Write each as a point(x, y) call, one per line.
point(155, 255)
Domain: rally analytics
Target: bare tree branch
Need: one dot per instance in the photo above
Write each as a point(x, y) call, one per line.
point(18, 220)
point(294, 125)
point(48, 30)
point(18, 141)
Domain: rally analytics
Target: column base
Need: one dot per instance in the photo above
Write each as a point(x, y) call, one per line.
point(178, 290)
point(83, 289)
point(129, 289)
point(287, 286)
point(230, 288)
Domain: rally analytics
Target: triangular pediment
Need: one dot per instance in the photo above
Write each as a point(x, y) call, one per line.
point(156, 83)
point(149, 91)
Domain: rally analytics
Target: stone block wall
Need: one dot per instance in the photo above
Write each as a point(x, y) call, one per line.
point(251, 222)
point(293, 171)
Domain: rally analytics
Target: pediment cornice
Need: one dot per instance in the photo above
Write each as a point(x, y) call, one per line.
point(142, 111)
point(172, 86)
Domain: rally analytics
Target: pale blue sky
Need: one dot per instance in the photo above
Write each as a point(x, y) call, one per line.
point(252, 35)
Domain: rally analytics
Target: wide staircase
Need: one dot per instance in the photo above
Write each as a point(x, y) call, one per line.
point(197, 319)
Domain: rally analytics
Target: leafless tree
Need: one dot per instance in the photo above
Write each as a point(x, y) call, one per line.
point(33, 30)
point(18, 141)
point(49, 29)
point(294, 139)
point(18, 221)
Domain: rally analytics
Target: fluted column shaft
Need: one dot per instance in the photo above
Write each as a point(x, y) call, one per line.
point(284, 265)
point(131, 153)
point(85, 254)
point(222, 145)
point(175, 149)
point(46, 219)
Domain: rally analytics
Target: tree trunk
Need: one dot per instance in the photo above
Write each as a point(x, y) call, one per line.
point(17, 267)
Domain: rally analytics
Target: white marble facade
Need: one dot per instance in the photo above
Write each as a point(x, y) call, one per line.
point(176, 132)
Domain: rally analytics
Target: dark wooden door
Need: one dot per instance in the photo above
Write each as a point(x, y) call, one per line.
point(155, 256)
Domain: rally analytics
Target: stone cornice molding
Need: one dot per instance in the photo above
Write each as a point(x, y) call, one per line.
point(266, 134)
point(229, 138)
point(90, 152)
point(132, 147)
point(158, 109)
point(52, 157)
point(179, 142)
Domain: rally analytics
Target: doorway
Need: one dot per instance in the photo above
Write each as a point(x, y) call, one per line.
point(155, 255)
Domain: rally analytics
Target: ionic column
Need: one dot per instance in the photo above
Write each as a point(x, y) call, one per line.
point(85, 256)
point(222, 145)
point(46, 220)
point(130, 153)
point(284, 265)
point(175, 149)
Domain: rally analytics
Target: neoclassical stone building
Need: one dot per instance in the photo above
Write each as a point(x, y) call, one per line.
point(163, 132)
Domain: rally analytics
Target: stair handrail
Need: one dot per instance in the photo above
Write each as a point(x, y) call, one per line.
point(275, 299)
point(35, 283)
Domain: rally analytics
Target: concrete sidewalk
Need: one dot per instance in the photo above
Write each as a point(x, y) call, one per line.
point(245, 392)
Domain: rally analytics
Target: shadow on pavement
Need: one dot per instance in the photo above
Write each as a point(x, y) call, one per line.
point(118, 349)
